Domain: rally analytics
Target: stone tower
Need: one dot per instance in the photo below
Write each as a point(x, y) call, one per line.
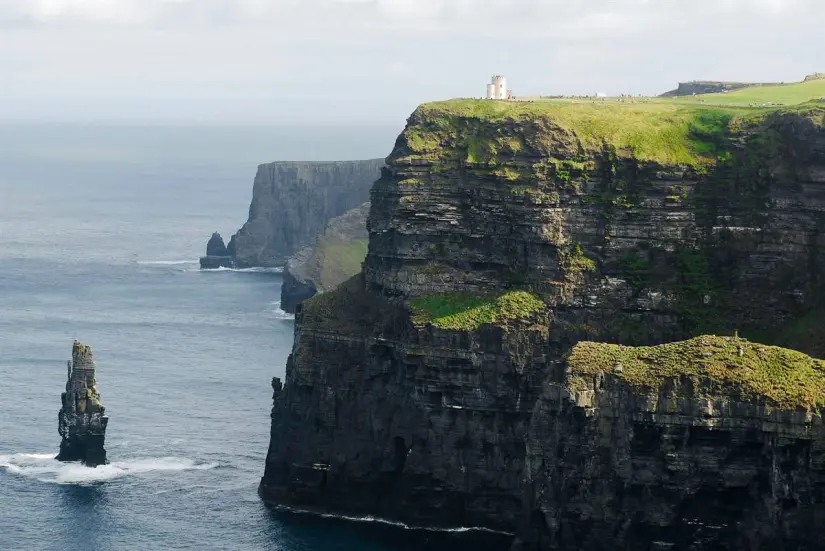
point(81, 421)
point(497, 89)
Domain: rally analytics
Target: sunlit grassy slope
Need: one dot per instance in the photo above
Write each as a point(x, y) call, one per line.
point(786, 94)
point(659, 131)
point(680, 131)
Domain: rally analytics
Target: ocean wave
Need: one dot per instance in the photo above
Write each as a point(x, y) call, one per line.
point(277, 270)
point(276, 312)
point(45, 468)
point(395, 523)
point(165, 262)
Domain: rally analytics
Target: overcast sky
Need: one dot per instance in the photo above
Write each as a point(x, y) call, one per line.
point(337, 61)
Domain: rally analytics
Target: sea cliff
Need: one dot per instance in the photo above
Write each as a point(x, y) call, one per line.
point(292, 203)
point(503, 234)
point(336, 256)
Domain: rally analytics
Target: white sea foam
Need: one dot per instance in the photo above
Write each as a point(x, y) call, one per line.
point(276, 312)
point(397, 524)
point(166, 262)
point(45, 468)
point(276, 270)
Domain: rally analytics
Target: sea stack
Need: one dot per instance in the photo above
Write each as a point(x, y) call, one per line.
point(81, 421)
point(218, 255)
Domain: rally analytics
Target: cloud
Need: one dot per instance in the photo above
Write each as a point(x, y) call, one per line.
point(272, 58)
point(447, 15)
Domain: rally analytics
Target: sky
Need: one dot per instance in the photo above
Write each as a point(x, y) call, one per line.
point(373, 61)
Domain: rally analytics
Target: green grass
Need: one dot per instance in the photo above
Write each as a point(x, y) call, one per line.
point(685, 131)
point(785, 378)
point(467, 312)
point(652, 131)
point(786, 94)
point(339, 260)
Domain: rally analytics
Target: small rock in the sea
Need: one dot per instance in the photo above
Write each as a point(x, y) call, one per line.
point(82, 420)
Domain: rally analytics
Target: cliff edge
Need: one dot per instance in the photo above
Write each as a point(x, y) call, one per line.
point(336, 256)
point(712, 443)
point(501, 234)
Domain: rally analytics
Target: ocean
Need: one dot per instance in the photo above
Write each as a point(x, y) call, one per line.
point(100, 231)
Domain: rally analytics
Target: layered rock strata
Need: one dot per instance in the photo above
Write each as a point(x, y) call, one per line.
point(714, 443)
point(336, 256)
point(502, 235)
point(292, 203)
point(82, 420)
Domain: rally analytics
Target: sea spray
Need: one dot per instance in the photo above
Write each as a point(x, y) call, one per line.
point(45, 468)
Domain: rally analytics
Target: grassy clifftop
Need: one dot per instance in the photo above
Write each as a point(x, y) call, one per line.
point(786, 94)
point(786, 378)
point(670, 131)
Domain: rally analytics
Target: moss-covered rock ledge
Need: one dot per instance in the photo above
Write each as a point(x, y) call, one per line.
point(709, 443)
point(468, 312)
point(730, 366)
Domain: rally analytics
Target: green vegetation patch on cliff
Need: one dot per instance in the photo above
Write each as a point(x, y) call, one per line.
point(652, 131)
point(684, 132)
point(785, 94)
point(340, 260)
point(467, 311)
point(784, 378)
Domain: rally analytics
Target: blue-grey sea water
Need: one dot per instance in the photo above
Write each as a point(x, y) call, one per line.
point(100, 231)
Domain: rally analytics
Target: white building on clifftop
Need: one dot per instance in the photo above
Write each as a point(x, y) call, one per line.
point(497, 89)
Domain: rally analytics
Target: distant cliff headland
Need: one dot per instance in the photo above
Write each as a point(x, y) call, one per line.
point(292, 202)
point(699, 87)
point(530, 345)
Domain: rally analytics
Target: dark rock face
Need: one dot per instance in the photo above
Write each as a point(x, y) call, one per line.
point(294, 290)
point(431, 426)
point(82, 420)
point(217, 254)
point(216, 247)
point(292, 203)
point(431, 422)
point(678, 466)
point(336, 256)
point(215, 262)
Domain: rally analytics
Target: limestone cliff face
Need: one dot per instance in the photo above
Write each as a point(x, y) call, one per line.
point(413, 390)
point(336, 256)
point(682, 461)
point(292, 203)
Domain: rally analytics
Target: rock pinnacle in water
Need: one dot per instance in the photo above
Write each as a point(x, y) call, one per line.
point(81, 421)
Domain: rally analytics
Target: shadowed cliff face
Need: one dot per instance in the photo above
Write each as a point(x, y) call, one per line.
point(670, 447)
point(336, 256)
point(438, 419)
point(292, 203)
